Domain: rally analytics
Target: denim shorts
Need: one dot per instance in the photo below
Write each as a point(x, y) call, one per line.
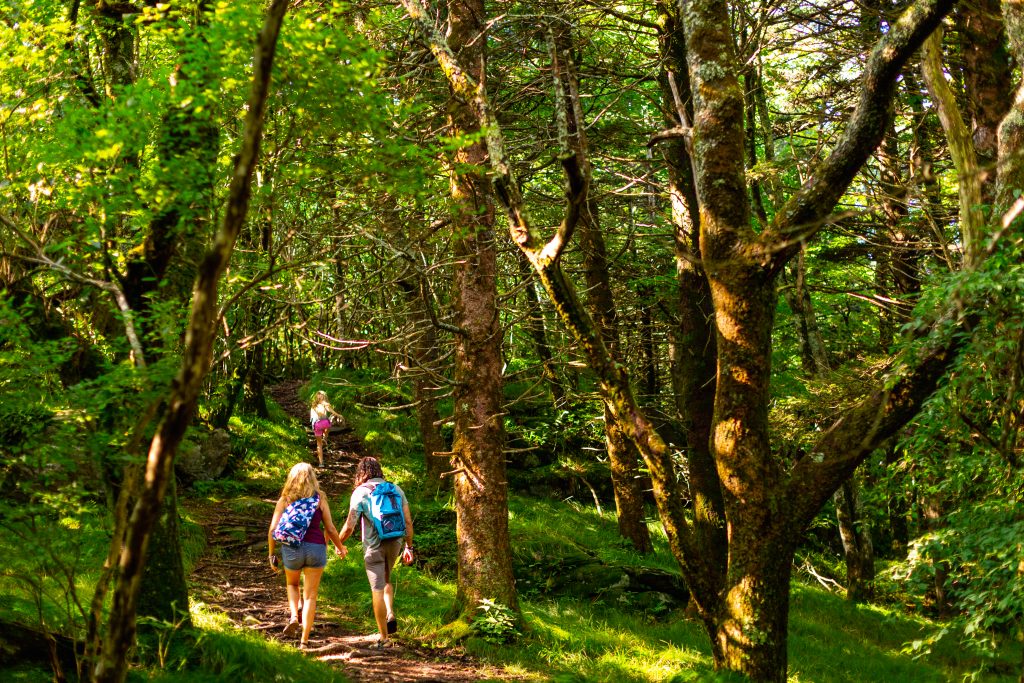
point(313, 555)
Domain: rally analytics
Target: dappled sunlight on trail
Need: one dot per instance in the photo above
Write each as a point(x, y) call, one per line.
point(233, 576)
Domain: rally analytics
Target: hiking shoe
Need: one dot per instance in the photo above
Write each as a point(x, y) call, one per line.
point(292, 629)
point(392, 625)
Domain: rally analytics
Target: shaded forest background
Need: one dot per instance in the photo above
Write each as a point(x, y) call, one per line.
point(746, 274)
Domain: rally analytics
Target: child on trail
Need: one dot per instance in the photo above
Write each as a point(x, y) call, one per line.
point(379, 555)
point(319, 418)
point(297, 525)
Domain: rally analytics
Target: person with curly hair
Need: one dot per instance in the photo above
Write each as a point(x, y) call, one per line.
point(379, 555)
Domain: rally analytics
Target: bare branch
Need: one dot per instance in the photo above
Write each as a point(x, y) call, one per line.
point(127, 314)
point(808, 210)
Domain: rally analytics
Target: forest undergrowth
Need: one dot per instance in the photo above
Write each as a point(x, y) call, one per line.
point(576, 626)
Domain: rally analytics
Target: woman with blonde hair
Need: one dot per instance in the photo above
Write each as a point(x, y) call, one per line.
point(301, 518)
point(319, 418)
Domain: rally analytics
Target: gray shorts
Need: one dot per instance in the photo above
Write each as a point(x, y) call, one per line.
point(313, 555)
point(380, 560)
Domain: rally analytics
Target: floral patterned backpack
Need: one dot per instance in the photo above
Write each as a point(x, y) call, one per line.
point(295, 520)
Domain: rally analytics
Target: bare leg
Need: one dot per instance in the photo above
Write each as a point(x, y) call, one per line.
point(292, 584)
point(389, 601)
point(380, 613)
point(291, 577)
point(310, 588)
point(320, 449)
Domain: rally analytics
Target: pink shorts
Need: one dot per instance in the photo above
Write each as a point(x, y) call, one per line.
point(321, 427)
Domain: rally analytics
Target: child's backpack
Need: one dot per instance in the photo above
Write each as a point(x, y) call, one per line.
point(295, 521)
point(386, 511)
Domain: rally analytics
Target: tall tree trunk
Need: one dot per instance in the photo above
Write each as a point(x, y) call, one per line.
point(987, 81)
point(693, 351)
point(112, 665)
point(184, 138)
point(627, 483)
point(858, 549)
point(481, 489)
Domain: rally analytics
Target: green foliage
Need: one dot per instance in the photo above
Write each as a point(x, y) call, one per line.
point(495, 623)
point(436, 542)
point(266, 449)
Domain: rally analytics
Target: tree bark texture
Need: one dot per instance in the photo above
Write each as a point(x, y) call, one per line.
point(120, 631)
point(961, 149)
point(1011, 129)
point(858, 550)
point(987, 82)
point(693, 353)
point(481, 487)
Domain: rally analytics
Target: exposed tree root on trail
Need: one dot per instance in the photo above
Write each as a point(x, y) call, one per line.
point(234, 577)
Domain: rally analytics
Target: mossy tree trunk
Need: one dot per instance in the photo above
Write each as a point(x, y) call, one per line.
point(694, 356)
point(987, 82)
point(481, 487)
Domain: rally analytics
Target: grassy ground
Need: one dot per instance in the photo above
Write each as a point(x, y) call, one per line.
point(563, 637)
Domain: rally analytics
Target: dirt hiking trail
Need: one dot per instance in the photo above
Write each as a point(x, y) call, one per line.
point(234, 577)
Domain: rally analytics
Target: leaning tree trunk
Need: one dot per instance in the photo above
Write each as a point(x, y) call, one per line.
point(112, 665)
point(627, 483)
point(481, 488)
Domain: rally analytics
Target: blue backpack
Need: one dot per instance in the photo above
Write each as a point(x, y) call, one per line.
point(295, 521)
point(386, 511)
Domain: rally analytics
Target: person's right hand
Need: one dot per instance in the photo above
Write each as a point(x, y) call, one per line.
point(407, 555)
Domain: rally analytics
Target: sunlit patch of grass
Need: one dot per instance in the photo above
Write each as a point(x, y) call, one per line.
point(265, 450)
point(569, 639)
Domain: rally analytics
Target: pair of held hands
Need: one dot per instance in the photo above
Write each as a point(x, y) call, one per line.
point(342, 552)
